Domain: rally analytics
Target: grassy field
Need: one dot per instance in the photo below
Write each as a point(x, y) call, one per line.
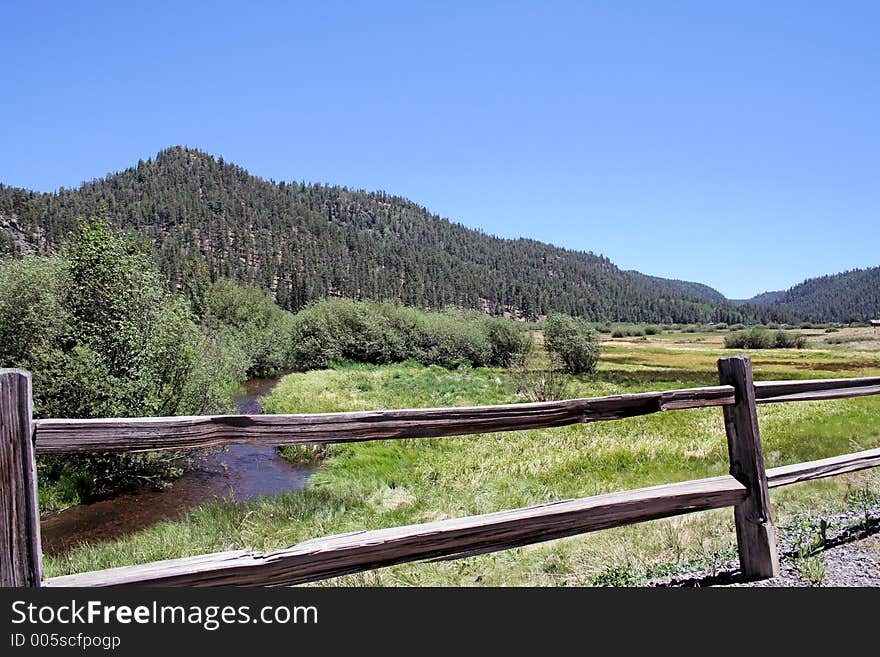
point(381, 484)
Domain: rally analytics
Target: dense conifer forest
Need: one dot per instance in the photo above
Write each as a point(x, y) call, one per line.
point(846, 297)
point(306, 242)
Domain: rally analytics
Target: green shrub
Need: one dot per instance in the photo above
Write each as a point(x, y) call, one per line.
point(247, 317)
point(786, 340)
point(631, 330)
point(625, 574)
point(652, 330)
point(507, 339)
point(452, 340)
point(754, 338)
point(573, 342)
point(760, 338)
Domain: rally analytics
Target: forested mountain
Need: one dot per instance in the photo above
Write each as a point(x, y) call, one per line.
point(311, 241)
point(851, 295)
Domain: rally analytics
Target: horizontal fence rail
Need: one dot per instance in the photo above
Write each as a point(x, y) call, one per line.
point(830, 467)
point(153, 434)
point(768, 392)
point(358, 551)
point(186, 432)
point(746, 489)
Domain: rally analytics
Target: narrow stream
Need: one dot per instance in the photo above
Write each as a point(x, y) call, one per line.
point(243, 472)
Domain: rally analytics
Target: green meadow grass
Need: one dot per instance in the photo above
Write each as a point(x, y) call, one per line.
point(387, 483)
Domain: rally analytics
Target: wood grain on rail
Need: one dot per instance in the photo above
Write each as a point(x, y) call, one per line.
point(768, 392)
point(793, 474)
point(153, 434)
point(349, 553)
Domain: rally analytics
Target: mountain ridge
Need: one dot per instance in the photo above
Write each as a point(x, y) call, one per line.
point(763, 299)
point(852, 295)
point(306, 241)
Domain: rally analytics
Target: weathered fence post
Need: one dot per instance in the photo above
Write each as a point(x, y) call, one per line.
point(20, 557)
point(755, 532)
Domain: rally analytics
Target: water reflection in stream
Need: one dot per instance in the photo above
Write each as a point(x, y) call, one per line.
point(244, 472)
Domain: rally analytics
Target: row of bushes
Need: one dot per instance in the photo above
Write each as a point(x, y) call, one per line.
point(340, 330)
point(849, 339)
point(762, 338)
point(639, 330)
point(633, 330)
point(378, 333)
point(337, 330)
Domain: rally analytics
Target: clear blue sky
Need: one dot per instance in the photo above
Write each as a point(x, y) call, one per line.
point(737, 144)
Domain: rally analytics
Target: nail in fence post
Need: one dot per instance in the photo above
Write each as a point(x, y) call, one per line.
point(755, 532)
point(20, 556)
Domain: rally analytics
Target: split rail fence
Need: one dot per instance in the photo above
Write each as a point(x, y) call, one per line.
point(746, 488)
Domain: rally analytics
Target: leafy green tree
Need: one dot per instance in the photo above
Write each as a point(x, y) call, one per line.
point(103, 336)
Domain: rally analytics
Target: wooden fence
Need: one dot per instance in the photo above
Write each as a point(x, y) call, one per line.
point(745, 488)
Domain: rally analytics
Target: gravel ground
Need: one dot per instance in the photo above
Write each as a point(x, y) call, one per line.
point(850, 557)
point(850, 564)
